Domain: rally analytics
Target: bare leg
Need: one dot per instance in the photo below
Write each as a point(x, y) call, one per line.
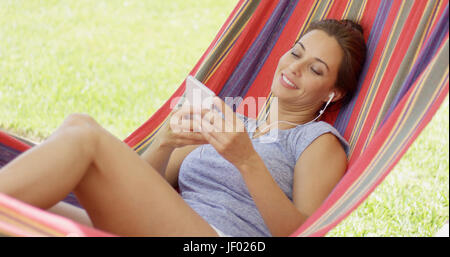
point(121, 192)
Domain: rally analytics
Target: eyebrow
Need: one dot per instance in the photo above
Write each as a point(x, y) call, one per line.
point(317, 59)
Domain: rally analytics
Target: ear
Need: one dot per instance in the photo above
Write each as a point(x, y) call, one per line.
point(338, 95)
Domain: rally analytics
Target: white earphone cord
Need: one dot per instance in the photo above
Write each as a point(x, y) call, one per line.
point(295, 124)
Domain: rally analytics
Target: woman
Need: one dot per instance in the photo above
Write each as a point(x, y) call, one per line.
point(237, 187)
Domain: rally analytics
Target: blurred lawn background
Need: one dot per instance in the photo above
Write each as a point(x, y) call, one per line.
point(119, 61)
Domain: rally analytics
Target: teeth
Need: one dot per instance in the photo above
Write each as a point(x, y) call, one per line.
point(288, 82)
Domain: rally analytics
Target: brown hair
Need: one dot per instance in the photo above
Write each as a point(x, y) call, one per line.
point(350, 37)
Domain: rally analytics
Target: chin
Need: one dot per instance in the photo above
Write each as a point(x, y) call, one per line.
point(275, 91)
point(280, 91)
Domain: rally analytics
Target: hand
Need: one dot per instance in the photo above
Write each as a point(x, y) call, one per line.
point(180, 130)
point(228, 136)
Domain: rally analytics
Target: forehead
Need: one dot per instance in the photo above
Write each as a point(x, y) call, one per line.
point(319, 44)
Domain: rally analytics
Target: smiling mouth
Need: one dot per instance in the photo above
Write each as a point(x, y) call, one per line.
point(287, 82)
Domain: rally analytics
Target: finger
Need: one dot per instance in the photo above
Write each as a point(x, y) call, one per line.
point(212, 130)
point(199, 137)
point(185, 109)
point(225, 109)
point(174, 124)
point(207, 117)
point(188, 112)
point(195, 142)
point(205, 123)
point(190, 139)
point(232, 122)
point(212, 139)
point(183, 142)
point(181, 118)
point(188, 125)
point(218, 122)
point(221, 124)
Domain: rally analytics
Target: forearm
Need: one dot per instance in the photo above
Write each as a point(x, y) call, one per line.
point(158, 156)
point(279, 213)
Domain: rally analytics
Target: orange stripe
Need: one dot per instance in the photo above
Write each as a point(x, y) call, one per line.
point(20, 228)
point(33, 224)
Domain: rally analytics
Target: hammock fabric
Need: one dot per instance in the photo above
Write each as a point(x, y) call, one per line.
point(404, 81)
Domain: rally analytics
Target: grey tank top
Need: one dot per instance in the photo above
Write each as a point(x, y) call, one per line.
point(215, 189)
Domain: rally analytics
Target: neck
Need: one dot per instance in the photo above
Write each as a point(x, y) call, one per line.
point(297, 116)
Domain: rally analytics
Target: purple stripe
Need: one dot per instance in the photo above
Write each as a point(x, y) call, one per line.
point(374, 37)
point(7, 154)
point(426, 55)
point(428, 28)
point(246, 71)
point(72, 199)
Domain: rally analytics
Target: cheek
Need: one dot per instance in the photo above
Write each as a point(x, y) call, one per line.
point(281, 65)
point(283, 62)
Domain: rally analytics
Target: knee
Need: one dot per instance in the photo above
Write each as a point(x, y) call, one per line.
point(80, 120)
point(83, 130)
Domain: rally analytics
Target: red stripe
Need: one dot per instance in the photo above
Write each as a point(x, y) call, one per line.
point(13, 143)
point(400, 50)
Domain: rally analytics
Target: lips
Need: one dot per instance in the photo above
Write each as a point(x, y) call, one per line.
point(287, 83)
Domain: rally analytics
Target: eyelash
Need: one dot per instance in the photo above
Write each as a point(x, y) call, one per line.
point(299, 56)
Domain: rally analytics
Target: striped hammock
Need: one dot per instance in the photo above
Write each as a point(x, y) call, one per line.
point(403, 83)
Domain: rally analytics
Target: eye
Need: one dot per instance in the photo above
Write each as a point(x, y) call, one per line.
point(316, 71)
point(295, 54)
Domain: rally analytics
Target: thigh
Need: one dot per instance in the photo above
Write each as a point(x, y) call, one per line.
point(124, 195)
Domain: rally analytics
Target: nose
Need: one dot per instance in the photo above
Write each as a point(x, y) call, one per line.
point(296, 67)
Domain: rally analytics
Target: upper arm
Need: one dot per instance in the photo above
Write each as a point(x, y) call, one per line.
point(174, 164)
point(317, 171)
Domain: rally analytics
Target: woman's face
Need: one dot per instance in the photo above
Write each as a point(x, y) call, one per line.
point(307, 73)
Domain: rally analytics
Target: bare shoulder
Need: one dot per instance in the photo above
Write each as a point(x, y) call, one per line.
point(325, 153)
point(327, 144)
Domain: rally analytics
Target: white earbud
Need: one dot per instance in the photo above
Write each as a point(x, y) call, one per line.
point(331, 95)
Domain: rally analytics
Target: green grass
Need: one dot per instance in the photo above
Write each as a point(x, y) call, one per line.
point(119, 61)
